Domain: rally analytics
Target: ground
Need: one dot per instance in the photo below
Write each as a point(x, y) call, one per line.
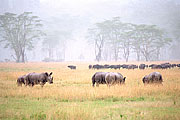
point(72, 97)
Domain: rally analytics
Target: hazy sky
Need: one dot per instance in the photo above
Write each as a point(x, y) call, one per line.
point(85, 9)
point(75, 2)
point(90, 12)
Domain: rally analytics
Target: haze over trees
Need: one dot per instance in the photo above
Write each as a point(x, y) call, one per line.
point(19, 31)
point(124, 38)
point(117, 30)
point(56, 40)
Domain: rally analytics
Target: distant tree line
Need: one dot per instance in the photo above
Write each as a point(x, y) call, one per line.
point(113, 37)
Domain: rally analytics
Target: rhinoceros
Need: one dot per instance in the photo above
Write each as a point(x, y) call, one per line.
point(38, 78)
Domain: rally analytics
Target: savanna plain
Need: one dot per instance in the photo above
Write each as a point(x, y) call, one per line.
point(72, 97)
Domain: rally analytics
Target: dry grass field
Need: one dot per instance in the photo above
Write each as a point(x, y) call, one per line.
point(72, 97)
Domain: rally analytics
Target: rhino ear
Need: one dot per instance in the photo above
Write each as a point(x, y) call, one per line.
point(46, 73)
point(50, 74)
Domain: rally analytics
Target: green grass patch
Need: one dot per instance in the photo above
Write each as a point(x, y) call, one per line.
point(111, 108)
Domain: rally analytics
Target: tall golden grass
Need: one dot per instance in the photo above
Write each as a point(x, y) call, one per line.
point(77, 85)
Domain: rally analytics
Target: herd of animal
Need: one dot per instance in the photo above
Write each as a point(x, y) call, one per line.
point(111, 78)
point(133, 66)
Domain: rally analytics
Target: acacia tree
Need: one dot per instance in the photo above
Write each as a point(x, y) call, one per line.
point(115, 35)
point(136, 40)
point(149, 40)
point(98, 35)
point(98, 42)
point(126, 40)
point(119, 35)
point(145, 40)
point(19, 31)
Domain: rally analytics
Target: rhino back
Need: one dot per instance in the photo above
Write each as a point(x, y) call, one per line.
point(37, 77)
point(154, 77)
point(110, 77)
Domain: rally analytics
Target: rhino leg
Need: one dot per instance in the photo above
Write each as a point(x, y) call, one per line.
point(97, 84)
point(27, 82)
point(42, 84)
point(93, 83)
point(19, 84)
point(32, 84)
point(108, 85)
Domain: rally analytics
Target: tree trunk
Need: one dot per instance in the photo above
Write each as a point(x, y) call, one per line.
point(146, 57)
point(158, 53)
point(116, 58)
point(18, 57)
point(49, 53)
point(98, 57)
point(23, 57)
point(126, 53)
point(138, 56)
point(116, 54)
point(127, 58)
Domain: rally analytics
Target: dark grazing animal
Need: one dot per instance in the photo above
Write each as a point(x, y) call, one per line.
point(97, 66)
point(72, 67)
point(154, 77)
point(165, 65)
point(112, 78)
point(132, 66)
point(178, 65)
point(173, 65)
point(124, 66)
point(155, 66)
point(106, 66)
point(21, 80)
point(115, 66)
point(142, 66)
point(98, 78)
point(90, 66)
point(38, 78)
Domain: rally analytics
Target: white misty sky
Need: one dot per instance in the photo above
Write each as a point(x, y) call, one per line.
point(82, 8)
point(78, 1)
point(93, 11)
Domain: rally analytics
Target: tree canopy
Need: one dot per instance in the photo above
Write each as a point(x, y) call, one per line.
point(19, 32)
point(123, 38)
